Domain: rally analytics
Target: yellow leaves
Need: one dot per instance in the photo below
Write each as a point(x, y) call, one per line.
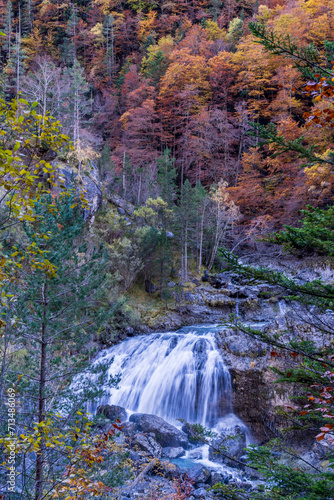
point(97, 31)
point(147, 25)
point(213, 30)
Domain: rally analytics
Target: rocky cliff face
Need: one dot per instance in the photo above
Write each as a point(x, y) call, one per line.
point(257, 396)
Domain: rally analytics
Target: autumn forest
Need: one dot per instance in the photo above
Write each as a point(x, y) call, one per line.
point(133, 78)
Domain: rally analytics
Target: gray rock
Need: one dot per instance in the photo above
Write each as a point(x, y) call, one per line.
point(165, 434)
point(148, 444)
point(201, 493)
point(170, 452)
point(189, 431)
point(92, 192)
point(129, 429)
point(188, 296)
point(169, 234)
point(199, 474)
point(121, 211)
point(171, 284)
point(206, 276)
point(112, 412)
point(232, 444)
point(216, 477)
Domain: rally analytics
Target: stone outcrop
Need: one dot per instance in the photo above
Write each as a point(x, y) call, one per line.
point(112, 412)
point(231, 443)
point(165, 434)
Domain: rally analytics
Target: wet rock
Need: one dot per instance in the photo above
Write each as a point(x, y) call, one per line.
point(201, 493)
point(112, 412)
point(232, 444)
point(199, 474)
point(200, 353)
point(165, 434)
point(148, 444)
point(189, 431)
point(205, 278)
point(129, 429)
point(170, 452)
point(240, 346)
point(216, 477)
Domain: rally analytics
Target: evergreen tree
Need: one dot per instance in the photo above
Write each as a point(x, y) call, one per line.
point(8, 27)
point(314, 373)
point(78, 101)
point(202, 201)
point(185, 225)
point(167, 177)
point(58, 306)
point(108, 30)
point(26, 17)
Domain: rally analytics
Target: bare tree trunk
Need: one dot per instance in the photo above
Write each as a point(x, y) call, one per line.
point(4, 360)
point(186, 254)
point(41, 400)
point(201, 241)
point(123, 177)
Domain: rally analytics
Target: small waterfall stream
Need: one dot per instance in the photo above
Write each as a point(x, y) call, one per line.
point(171, 375)
point(179, 375)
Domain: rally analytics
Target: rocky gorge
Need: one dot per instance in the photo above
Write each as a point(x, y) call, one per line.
point(247, 392)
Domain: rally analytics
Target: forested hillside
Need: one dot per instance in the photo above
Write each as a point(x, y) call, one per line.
point(130, 79)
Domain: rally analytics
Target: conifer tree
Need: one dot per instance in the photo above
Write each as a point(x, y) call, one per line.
point(167, 177)
point(8, 27)
point(58, 306)
point(186, 221)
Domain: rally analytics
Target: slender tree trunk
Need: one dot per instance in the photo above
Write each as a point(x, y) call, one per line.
point(139, 191)
point(216, 242)
point(4, 360)
point(41, 399)
point(200, 258)
point(186, 253)
point(123, 177)
point(112, 53)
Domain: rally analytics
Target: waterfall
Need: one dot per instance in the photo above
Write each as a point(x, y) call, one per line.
point(172, 375)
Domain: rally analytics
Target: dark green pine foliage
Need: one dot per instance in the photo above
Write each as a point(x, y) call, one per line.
point(186, 213)
point(57, 308)
point(312, 365)
point(57, 313)
point(167, 177)
point(315, 235)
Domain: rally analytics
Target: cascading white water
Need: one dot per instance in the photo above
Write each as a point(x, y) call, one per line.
point(172, 375)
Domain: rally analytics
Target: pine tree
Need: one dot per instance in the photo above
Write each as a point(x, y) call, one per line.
point(58, 307)
point(186, 223)
point(312, 369)
point(167, 177)
point(78, 101)
point(26, 17)
point(8, 27)
point(108, 30)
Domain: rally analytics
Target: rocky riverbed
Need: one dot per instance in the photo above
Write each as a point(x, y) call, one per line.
point(167, 459)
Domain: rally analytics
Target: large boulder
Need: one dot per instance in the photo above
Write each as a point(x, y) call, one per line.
point(173, 452)
point(147, 443)
point(199, 474)
point(112, 412)
point(231, 443)
point(165, 434)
